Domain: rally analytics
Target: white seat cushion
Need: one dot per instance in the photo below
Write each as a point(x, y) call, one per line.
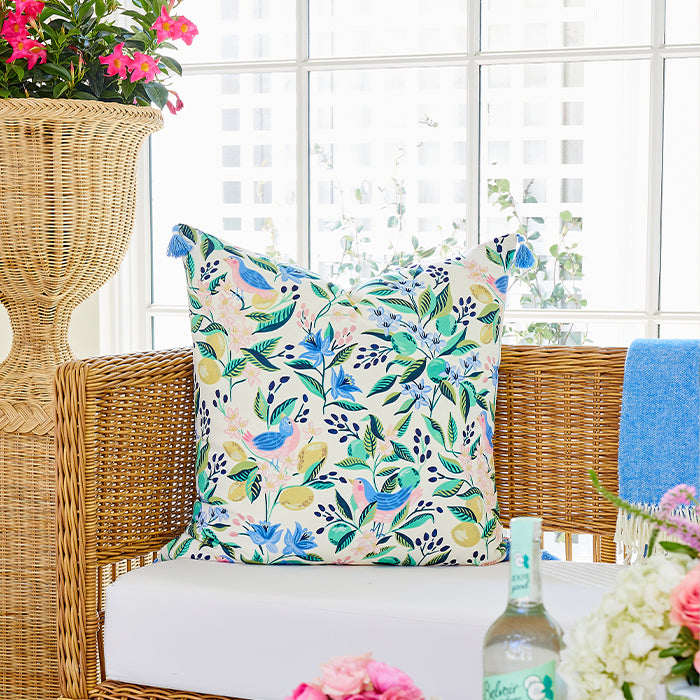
point(258, 631)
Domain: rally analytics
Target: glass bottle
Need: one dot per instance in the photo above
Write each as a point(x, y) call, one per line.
point(521, 648)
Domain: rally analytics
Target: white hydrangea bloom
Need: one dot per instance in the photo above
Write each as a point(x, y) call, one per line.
point(621, 640)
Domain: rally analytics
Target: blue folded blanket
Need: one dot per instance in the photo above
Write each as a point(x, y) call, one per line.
point(660, 421)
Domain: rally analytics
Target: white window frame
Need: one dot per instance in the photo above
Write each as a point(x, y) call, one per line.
point(126, 311)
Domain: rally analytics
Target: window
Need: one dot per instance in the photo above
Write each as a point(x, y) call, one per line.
point(341, 132)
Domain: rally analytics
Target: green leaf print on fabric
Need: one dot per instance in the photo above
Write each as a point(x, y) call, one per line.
point(344, 426)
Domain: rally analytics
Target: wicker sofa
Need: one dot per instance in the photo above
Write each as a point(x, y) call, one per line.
point(125, 449)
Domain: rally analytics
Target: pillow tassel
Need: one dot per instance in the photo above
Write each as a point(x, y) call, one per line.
point(524, 258)
point(179, 246)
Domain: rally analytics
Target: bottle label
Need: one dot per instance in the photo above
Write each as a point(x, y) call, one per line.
point(531, 684)
point(521, 537)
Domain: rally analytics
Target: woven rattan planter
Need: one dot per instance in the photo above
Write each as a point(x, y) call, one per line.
point(67, 200)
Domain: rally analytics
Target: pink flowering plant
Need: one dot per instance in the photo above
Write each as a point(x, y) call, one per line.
point(358, 678)
point(647, 627)
point(93, 50)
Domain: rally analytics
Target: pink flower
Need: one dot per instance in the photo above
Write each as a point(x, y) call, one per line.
point(304, 691)
point(358, 678)
point(31, 8)
point(678, 525)
point(345, 675)
point(696, 662)
point(164, 26)
point(143, 66)
point(685, 602)
point(688, 532)
point(32, 50)
point(36, 53)
point(681, 495)
point(343, 560)
point(14, 27)
point(252, 375)
point(387, 679)
point(402, 694)
point(235, 423)
point(184, 29)
point(175, 108)
point(116, 62)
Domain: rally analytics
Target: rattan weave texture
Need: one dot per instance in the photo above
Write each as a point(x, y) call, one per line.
point(125, 453)
point(67, 203)
point(111, 690)
point(558, 417)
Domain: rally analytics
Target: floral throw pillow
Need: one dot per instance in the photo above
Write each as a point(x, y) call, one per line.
point(349, 427)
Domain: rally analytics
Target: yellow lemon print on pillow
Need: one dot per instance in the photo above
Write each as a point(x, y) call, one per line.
point(237, 491)
point(218, 343)
point(312, 454)
point(235, 450)
point(297, 497)
point(209, 370)
point(264, 302)
point(486, 335)
point(466, 534)
point(481, 293)
point(476, 506)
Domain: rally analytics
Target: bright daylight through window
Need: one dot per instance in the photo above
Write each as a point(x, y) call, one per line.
point(351, 134)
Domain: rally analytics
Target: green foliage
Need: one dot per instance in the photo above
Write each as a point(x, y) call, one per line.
point(75, 35)
point(358, 259)
point(551, 282)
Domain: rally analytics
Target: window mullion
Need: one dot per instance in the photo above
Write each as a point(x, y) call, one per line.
point(473, 127)
point(302, 129)
point(656, 117)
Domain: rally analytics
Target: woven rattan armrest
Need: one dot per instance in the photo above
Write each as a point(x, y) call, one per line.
point(125, 454)
point(125, 459)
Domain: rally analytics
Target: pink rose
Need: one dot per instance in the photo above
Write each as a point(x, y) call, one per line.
point(397, 693)
point(685, 602)
point(304, 691)
point(345, 675)
point(386, 677)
